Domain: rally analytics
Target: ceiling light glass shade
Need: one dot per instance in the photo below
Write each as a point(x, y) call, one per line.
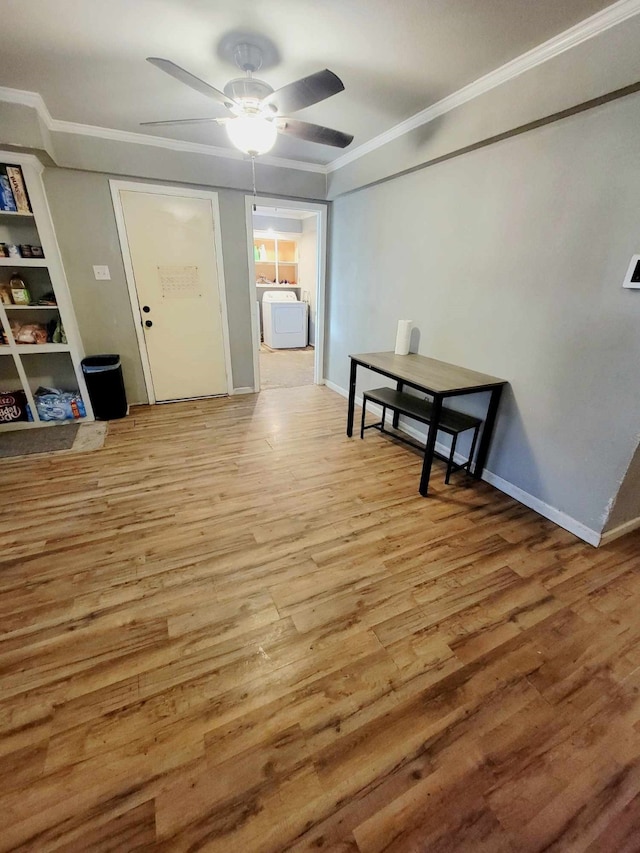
point(252, 134)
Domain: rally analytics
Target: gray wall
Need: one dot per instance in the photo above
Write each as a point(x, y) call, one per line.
point(235, 254)
point(510, 260)
point(84, 220)
point(627, 503)
point(85, 225)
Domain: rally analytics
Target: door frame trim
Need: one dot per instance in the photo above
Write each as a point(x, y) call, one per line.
point(321, 211)
point(160, 189)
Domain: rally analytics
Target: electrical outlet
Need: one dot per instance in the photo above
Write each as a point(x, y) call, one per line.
point(101, 273)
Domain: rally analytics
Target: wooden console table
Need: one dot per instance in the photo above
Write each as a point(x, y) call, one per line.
point(438, 379)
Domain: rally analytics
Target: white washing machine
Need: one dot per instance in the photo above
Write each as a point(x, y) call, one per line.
point(284, 320)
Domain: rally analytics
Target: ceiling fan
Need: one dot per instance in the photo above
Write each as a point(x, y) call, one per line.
point(258, 112)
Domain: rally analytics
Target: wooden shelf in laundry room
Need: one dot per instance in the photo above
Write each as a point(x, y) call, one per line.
point(287, 252)
point(266, 249)
point(282, 254)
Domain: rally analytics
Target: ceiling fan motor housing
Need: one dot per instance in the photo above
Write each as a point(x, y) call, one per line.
point(247, 88)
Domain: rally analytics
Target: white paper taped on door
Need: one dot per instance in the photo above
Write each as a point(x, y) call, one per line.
point(178, 282)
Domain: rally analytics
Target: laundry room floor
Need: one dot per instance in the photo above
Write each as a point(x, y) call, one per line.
point(285, 368)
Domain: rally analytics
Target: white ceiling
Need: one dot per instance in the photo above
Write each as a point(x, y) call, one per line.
point(87, 57)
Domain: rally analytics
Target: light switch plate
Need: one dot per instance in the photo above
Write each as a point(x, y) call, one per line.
point(101, 273)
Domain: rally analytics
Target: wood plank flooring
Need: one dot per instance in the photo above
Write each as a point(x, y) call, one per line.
point(234, 629)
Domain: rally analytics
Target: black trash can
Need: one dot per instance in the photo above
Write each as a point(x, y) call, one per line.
point(103, 375)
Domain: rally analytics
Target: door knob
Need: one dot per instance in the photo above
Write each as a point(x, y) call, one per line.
point(146, 309)
point(148, 324)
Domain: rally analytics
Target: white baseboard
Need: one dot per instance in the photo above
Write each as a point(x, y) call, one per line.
point(339, 390)
point(587, 534)
point(247, 389)
point(620, 530)
point(592, 537)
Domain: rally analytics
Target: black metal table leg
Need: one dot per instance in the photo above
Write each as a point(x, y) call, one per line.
point(473, 448)
point(431, 444)
point(450, 463)
point(352, 397)
point(487, 431)
point(396, 415)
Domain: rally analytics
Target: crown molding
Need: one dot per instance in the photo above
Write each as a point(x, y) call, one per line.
point(574, 36)
point(28, 99)
point(36, 102)
point(178, 145)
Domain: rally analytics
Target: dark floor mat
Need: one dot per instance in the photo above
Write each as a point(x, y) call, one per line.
point(45, 440)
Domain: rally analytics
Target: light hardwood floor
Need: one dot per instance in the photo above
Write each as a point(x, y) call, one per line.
point(234, 629)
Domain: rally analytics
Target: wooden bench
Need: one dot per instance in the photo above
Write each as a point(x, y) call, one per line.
point(452, 423)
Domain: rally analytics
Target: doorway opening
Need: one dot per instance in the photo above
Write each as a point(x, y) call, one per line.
point(287, 249)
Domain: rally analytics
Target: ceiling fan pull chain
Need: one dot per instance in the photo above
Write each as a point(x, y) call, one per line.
point(253, 175)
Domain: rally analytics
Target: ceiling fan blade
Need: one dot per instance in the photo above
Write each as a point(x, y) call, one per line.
point(305, 92)
point(189, 79)
point(313, 132)
point(180, 121)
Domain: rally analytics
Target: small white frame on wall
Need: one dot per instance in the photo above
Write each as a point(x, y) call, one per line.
point(632, 278)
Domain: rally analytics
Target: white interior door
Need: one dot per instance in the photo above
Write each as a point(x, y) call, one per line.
point(172, 247)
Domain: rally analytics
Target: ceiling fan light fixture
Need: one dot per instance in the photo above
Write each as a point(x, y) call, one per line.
point(252, 134)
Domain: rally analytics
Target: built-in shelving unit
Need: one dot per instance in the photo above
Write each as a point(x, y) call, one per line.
point(276, 258)
point(27, 366)
point(9, 308)
point(23, 262)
